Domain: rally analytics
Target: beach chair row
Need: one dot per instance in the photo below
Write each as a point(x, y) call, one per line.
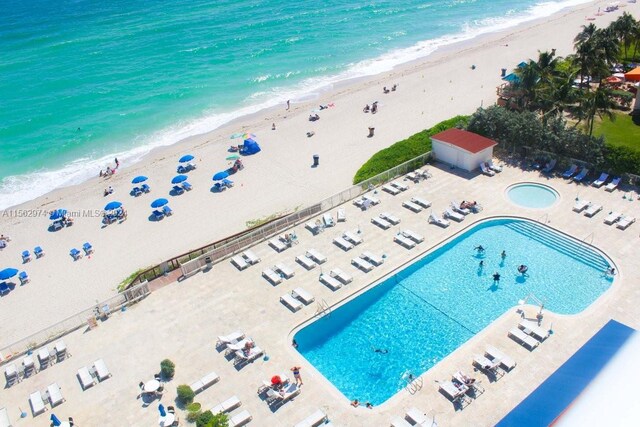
point(529, 334)
point(28, 368)
point(413, 417)
point(243, 349)
point(244, 260)
point(90, 377)
point(309, 260)
point(591, 209)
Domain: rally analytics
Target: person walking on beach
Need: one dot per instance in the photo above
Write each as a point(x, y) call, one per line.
point(117, 163)
point(296, 374)
point(288, 104)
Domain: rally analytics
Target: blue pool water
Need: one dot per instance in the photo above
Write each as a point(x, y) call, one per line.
point(532, 195)
point(427, 310)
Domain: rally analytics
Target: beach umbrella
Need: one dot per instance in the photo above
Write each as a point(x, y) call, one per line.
point(220, 176)
point(8, 273)
point(57, 214)
point(163, 413)
point(112, 206)
point(233, 157)
point(138, 179)
point(186, 158)
point(55, 420)
point(158, 203)
point(179, 178)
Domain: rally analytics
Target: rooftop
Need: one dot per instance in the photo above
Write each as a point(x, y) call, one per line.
point(468, 141)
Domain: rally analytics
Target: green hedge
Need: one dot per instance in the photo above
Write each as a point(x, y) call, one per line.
point(405, 150)
point(620, 159)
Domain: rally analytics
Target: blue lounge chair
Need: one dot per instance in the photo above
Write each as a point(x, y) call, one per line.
point(4, 288)
point(24, 277)
point(177, 189)
point(26, 256)
point(136, 191)
point(145, 188)
point(186, 186)
point(569, 172)
point(581, 175)
point(38, 251)
point(167, 210)
point(158, 215)
point(75, 254)
point(182, 169)
point(87, 248)
point(227, 182)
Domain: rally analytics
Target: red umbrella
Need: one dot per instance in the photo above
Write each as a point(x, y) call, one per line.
point(276, 380)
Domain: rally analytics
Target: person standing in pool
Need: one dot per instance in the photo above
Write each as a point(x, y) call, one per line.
point(496, 278)
point(503, 254)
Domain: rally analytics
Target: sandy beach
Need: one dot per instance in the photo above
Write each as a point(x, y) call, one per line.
point(277, 180)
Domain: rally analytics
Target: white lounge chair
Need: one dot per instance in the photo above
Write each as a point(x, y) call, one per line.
point(600, 181)
point(412, 206)
point(4, 418)
point(303, 296)
point(341, 215)
point(400, 422)
point(61, 350)
point(330, 282)
point(238, 346)
point(569, 172)
point(282, 397)
point(85, 378)
point(277, 245)
point(313, 227)
point(239, 262)
point(291, 302)
point(37, 404)
point(205, 382)
point(233, 337)
point(419, 418)
point(44, 357)
point(284, 270)
point(419, 201)
point(316, 256)
point(353, 238)
point(327, 219)
point(254, 353)
point(485, 169)
point(523, 338)
point(313, 420)
point(11, 374)
point(407, 243)
point(272, 276)
point(592, 209)
point(454, 393)
point(413, 236)
point(413, 176)
point(625, 222)
point(227, 406)
point(391, 189)
point(341, 276)
point(457, 208)
point(391, 218)
point(493, 167)
point(362, 264)
point(382, 223)
point(532, 328)
point(55, 394)
point(102, 372)
point(372, 258)
point(449, 213)
point(373, 200)
point(486, 365)
point(506, 362)
point(612, 217)
point(580, 205)
point(613, 184)
point(400, 186)
point(240, 419)
point(342, 244)
point(306, 262)
point(251, 257)
point(435, 219)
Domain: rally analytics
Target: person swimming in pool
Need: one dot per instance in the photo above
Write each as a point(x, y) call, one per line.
point(479, 249)
point(379, 350)
point(496, 278)
point(523, 269)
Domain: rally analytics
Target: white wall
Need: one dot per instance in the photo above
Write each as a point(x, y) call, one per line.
point(458, 157)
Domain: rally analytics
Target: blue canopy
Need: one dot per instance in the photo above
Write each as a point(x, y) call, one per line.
point(511, 78)
point(138, 179)
point(57, 214)
point(250, 147)
point(8, 273)
point(112, 206)
point(179, 178)
point(158, 203)
point(220, 176)
point(186, 158)
point(163, 413)
point(55, 421)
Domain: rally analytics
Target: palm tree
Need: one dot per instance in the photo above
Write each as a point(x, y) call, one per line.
point(624, 28)
point(528, 77)
point(558, 95)
point(598, 103)
point(585, 46)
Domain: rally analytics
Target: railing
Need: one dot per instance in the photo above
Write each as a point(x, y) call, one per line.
point(83, 318)
point(592, 235)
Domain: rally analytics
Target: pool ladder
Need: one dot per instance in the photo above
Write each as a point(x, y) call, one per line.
point(323, 309)
point(413, 384)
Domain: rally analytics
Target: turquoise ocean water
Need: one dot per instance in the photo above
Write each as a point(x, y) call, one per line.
point(84, 80)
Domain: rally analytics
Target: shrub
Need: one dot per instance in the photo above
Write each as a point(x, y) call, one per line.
point(218, 420)
point(204, 419)
point(167, 368)
point(185, 394)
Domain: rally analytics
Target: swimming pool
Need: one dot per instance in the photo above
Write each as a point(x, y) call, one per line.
point(532, 195)
point(424, 312)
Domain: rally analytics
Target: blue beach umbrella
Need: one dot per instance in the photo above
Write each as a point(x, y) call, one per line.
point(220, 176)
point(8, 273)
point(138, 179)
point(112, 206)
point(55, 420)
point(186, 158)
point(163, 413)
point(57, 214)
point(158, 203)
point(179, 178)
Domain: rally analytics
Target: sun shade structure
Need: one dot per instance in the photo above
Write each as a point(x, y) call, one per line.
point(112, 206)
point(462, 149)
point(186, 158)
point(633, 75)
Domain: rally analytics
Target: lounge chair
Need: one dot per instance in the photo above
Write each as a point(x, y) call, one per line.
point(341, 276)
point(391, 189)
point(85, 378)
point(277, 245)
point(88, 249)
point(400, 186)
point(330, 282)
point(486, 365)
point(391, 218)
point(11, 374)
point(313, 420)
point(625, 222)
point(239, 262)
point(4, 418)
point(454, 393)
point(532, 328)
point(412, 206)
point(612, 217)
point(495, 168)
point(251, 257)
point(177, 189)
point(24, 278)
point(407, 243)
point(362, 264)
point(435, 219)
point(303, 296)
point(254, 353)
point(485, 169)
point(419, 418)
point(29, 366)
point(382, 223)
point(353, 238)
point(273, 277)
point(102, 372)
point(55, 394)
point(282, 397)
point(569, 172)
point(166, 210)
point(291, 302)
point(284, 270)
point(313, 227)
point(600, 181)
point(316, 256)
point(371, 199)
point(61, 350)
point(457, 207)
point(592, 209)
point(306, 262)
point(342, 243)
point(233, 337)
point(581, 175)
point(38, 252)
point(136, 191)
point(26, 256)
point(75, 254)
point(613, 184)
point(37, 404)
point(240, 419)
point(413, 236)
point(450, 214)
point(506, 362)
point(227, 406)
point(522, 338)
point(341, 215)
point(580, 205)
point(400, 422)
point(327, 219)
point(44, 357)
point(550, 166)
point(145, 188)
point(419, 201)
point(186, 186)
point(157, 215)
point(237, 346)
point(372, 258)
point(4, 288)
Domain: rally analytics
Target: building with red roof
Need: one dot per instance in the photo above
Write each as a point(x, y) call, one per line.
point(461, 148)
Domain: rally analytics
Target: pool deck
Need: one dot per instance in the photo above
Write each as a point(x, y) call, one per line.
point(180, 321)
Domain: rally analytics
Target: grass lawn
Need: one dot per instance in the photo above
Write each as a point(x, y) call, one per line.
point(622, 132)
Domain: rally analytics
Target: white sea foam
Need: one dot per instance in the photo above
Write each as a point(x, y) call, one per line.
point(21, 188)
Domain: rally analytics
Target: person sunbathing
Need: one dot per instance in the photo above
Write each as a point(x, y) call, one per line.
point(366, 109)
point(467, 380)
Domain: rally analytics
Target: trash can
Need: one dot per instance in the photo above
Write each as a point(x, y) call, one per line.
point(316, 160)
point(503, 72)
point(208, 260)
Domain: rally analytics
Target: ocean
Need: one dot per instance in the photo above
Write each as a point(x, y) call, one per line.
point(84, 81)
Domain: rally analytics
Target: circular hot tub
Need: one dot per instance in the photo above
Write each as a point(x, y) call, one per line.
point(532, 195)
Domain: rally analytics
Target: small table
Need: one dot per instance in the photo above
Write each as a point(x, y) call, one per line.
point(167, 420)
point(151, 386)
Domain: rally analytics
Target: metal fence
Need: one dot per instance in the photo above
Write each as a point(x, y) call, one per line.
point(86, 317)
